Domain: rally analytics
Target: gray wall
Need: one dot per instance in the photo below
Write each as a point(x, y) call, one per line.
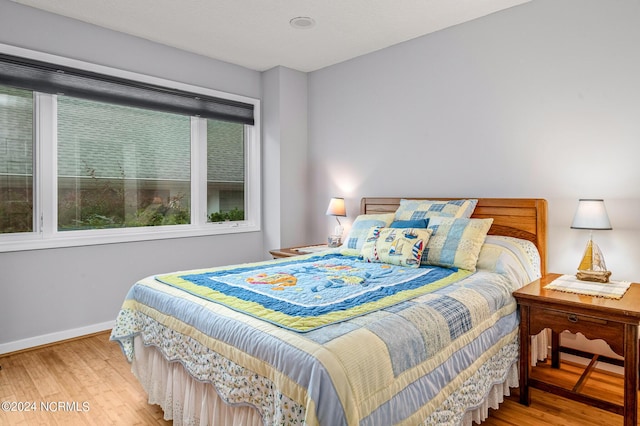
point(47, 295)
point(284, 159)
point(540, 100)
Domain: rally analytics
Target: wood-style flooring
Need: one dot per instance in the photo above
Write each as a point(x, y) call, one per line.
point(90, 369)
point(87, 381)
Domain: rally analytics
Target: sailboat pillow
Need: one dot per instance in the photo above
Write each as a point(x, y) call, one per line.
point(396, 246)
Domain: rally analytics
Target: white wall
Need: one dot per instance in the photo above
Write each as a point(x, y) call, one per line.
point(47, 295)
point(540, 100)
point(294, 198)
point(285, 186)
point(271, 135)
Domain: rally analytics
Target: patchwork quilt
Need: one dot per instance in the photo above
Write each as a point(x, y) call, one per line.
point(305, 294)
point(395, 364)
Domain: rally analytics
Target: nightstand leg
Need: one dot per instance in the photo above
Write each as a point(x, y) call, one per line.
point(555, 349)
point(630, 374)
point(525, 357)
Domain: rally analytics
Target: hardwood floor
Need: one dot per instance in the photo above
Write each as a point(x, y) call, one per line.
point(92, 380)
point(549, 409)
point(89, 370)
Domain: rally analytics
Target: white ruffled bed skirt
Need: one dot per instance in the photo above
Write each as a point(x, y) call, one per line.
point(494, 398)
point(188, 401)
point(184, 399)
point(540, 346)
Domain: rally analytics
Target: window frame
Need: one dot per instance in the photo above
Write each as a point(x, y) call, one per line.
point(45, 233)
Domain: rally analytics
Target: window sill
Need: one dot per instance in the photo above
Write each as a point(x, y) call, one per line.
point(97, 237)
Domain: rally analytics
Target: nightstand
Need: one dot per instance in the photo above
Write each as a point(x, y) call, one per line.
point(614, 321)
point(297, 251)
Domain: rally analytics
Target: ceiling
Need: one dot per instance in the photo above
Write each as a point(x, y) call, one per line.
point(256, 33)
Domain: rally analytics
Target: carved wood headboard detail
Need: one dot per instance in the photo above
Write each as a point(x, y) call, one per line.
point(524, 218)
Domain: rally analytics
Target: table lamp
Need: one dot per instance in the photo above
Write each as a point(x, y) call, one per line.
point(591, 214)
point(336, 208)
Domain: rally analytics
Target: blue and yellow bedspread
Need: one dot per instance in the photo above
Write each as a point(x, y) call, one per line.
point(304, 294)
point(394, 364)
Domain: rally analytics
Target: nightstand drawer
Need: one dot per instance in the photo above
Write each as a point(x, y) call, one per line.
point(590, 327)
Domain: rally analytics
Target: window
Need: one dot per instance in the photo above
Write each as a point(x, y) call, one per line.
point(225, 171)
point(121, 167)
point(16, 160)
point(89, 158)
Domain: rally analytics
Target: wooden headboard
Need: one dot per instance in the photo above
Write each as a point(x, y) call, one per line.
point(524, 218)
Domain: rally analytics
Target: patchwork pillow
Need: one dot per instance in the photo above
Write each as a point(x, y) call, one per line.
point(421, 209)
point(361, 227)
point(418, 223)
point(455, 242)
point(397, 246)
point(518, 258)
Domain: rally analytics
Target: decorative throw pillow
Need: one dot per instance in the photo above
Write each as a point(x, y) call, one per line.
point(397, 246)
point(418, 223)
point(455, 242)
point(361, 227)
point(420, 209)
point(509, 255)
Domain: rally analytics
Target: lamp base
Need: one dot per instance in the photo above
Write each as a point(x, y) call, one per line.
point(334, 241)
point(593, 276)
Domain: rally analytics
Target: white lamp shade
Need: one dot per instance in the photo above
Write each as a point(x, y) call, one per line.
point(336, 207)
point(591, 214)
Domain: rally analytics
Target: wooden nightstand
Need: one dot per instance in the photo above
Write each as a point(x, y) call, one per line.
point(614, 321)
point(297, 251)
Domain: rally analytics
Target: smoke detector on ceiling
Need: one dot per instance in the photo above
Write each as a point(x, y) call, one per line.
point(302, 22)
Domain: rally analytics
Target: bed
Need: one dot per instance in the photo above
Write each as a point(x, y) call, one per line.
point(383, 341)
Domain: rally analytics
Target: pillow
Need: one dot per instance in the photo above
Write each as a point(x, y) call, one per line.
point(403, 247)
point(420, 209)
point(418, 223)
point(510, 256)
point(455, 242)
point(361, 227)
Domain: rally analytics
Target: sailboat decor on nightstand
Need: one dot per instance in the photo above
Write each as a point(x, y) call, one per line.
point(592, 266)
point(592, 214)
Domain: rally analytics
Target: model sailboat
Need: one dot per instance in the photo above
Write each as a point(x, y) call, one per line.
point(592, 266)
point(591, 214)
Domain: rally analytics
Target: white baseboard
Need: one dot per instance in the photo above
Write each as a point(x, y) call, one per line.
point(45, 339)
